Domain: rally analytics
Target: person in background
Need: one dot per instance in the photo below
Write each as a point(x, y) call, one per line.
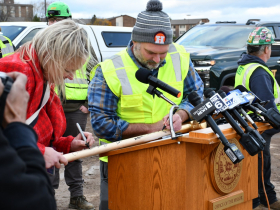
point(6, 46)
point(75, 109)
point(119, 105)
point(252, 72)
point(23, 179)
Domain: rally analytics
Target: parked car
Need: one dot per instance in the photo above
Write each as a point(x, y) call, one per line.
point(105, 40)
point(216, 48)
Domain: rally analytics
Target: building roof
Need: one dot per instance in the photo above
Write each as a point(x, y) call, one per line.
point(119, 16)
point(186, 21)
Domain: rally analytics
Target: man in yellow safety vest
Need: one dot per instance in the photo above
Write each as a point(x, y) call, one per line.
point(254, 74)
point(119, 105)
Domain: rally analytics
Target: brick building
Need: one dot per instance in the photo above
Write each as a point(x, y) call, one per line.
point(123, 21)
point(181, 26)
point(9, 11)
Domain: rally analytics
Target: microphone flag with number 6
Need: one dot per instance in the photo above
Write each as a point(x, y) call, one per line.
point(217, 100)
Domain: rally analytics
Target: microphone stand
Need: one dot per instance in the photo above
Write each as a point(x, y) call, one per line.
point(152, 90)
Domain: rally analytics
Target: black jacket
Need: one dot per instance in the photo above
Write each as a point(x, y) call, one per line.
point(261, 83)
point(24, 183)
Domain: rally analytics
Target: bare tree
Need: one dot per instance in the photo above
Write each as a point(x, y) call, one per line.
point(5, 11)
point(39, 7)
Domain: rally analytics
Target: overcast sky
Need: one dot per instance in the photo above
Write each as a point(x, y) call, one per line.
point(214, 10)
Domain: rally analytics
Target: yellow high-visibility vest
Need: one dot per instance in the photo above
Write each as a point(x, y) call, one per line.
point(6, 46)
point(76, 89)
point(135, 105)
point(244, 72)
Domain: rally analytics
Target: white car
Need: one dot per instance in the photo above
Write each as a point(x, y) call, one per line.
point(21, 32)
point(105, 40)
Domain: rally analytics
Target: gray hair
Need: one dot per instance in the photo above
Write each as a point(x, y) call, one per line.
point(58, 46)
point(257, 50)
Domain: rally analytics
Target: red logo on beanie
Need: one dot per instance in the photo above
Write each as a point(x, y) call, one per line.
point(160, 38)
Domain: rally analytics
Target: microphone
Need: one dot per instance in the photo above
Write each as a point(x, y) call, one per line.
point(145, 76)
point(247, 139)
point(244, 102)
point(243, 89)
point(203, 110)
point(256, 100)
point(236, 95)
point(216, 99)
point(257, 142)
point(225, 89)
point(212, 95)
point(272, 115)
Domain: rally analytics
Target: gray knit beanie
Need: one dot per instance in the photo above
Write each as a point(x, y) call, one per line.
point(153, 25)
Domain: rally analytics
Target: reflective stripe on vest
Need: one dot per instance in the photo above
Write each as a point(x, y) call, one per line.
point(6, 48)
point(244, 73)
point(175, 57)
point(135, 105)
point(121, 73)
point(247, 72)
point(76, 89)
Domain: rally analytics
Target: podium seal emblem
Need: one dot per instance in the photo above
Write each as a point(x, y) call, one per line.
point(224, 174)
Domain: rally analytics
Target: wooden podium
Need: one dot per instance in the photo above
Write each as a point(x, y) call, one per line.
point(180, 175)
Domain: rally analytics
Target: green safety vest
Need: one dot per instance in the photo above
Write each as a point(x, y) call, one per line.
point(244, 72)
point(6, 46)
point(135, 105)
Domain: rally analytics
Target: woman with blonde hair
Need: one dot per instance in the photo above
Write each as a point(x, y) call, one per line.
point(53, 55)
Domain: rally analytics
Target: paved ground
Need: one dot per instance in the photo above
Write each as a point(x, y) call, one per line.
point(92, 176)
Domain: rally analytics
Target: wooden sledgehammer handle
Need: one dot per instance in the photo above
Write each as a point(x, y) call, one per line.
point(128, 142)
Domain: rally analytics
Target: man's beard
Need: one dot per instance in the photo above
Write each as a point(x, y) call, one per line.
point(149, 64)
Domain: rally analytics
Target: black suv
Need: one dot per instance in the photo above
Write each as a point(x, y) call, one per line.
point(216, 48)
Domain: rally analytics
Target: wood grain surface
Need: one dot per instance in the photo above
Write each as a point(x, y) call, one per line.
point(165, 175)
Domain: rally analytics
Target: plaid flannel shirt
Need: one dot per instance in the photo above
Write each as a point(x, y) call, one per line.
point(103, 103)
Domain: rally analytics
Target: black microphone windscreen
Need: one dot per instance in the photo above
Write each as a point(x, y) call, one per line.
point(209, 93)
point(142, 75)
point(241, 88)
point(194, 98)
point(225, 89)
point(222, 93)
